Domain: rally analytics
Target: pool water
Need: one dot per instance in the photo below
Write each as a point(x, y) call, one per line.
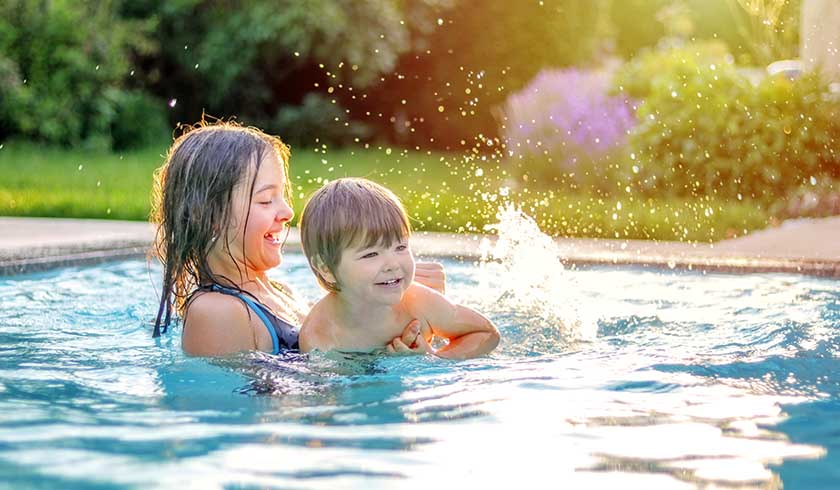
point(605, 378)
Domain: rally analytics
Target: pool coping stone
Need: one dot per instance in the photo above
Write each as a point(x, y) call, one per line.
point(810, 247)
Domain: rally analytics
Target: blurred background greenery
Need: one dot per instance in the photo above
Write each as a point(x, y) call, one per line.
point(621, 119)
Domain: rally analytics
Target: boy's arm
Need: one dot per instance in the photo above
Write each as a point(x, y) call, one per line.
point(470, 333)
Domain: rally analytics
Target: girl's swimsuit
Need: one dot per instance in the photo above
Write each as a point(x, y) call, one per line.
point(284, 336)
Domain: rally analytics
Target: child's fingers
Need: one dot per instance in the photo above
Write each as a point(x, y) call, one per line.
point(399, 346)
point(423, 347)
point(410, 332)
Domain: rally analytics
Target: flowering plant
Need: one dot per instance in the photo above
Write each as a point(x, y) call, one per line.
point(566, 119)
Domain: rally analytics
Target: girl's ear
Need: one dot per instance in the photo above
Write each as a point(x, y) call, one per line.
point(324, 271)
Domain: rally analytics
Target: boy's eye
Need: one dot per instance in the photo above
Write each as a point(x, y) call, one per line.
point(266, 202)
point(369, 255)
point(401, 247)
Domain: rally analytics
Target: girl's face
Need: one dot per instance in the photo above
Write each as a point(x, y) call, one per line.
point(267, 213)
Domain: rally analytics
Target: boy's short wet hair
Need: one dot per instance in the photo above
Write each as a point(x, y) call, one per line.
point(349, 212)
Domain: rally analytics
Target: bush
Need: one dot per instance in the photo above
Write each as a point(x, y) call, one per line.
point(68, 56)
point(706, 130)
point(317, 119)
point(564, 126)
point(139, 120)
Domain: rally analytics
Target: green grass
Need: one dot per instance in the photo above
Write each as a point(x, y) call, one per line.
point(443, 192)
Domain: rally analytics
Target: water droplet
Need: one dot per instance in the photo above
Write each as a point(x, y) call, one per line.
point(787, 130)
point(671, 264)
point(813, 180)
point(440, 22)
point(479, 172)
point(387, 151)
point(674, 93)
point(81, 167)
point(635, 169)
point(297, 53)
point(440, 108)
point(172, 102)
point(632, 156)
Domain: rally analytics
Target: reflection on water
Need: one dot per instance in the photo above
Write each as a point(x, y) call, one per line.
point(624, 378)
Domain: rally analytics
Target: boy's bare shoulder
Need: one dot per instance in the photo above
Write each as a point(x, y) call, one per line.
point(418, 296)
point(216, 324)
point(317, 331)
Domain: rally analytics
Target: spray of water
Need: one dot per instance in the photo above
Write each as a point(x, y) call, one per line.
point(521, 272)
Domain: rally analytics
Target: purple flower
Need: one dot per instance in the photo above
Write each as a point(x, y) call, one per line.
point(567, 115)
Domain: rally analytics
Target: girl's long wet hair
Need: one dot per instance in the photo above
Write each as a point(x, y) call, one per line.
point(191, 205)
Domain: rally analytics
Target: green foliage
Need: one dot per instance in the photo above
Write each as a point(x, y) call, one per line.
point(139, 119)
point(62, 61)
point(705, 129)
point(452, 82)
point(252, 59)
point(317, 120)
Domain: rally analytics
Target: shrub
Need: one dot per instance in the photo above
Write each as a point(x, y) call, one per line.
point(564, 125)
point(67, 57)
point(139, 120)
point(317, 119)
point(706, 130)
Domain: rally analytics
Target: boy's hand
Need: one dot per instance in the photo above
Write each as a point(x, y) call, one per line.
point(412, 341)
point(431, 274)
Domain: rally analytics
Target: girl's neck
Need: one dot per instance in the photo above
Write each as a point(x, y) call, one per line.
point(240, 274)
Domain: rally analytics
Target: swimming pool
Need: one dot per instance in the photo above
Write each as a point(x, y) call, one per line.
point(605, 378)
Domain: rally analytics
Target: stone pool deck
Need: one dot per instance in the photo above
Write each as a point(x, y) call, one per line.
point(802, 246)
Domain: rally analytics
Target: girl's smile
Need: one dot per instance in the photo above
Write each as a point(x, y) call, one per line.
point(257, 229)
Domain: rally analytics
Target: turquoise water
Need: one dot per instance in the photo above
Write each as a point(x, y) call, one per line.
point(605, 378)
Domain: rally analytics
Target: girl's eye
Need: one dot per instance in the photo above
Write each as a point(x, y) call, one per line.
point(266, 203)
point(401, 247)
point(369, 255)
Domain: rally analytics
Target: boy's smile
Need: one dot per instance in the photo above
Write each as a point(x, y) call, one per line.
point(377, 274)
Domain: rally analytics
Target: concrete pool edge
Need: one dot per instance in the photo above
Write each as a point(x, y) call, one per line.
point(36, 244)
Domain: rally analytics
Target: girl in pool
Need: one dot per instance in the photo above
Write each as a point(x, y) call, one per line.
point(221, 206)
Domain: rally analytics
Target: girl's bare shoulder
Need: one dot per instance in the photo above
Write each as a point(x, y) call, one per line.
point(216, 324)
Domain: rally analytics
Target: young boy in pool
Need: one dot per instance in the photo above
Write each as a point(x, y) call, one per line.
point(355, 234)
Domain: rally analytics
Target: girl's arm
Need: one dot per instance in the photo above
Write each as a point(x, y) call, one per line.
point(216, 325)
point(431, 274)
point(470, 333)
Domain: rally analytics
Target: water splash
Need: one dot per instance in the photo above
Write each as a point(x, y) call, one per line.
point(522, 271)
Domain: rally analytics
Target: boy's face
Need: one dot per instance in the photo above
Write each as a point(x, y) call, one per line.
point(378, 274)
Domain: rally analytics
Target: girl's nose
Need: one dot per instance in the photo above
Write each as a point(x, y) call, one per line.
point(285, 212)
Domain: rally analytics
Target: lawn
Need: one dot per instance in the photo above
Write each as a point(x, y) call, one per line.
point(443, 192)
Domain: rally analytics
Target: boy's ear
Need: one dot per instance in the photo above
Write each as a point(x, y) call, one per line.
point(325, 271)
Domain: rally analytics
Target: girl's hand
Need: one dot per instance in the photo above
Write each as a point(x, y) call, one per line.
point(431, 274)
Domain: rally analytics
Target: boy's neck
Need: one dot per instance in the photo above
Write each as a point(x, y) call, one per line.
point(354, 314)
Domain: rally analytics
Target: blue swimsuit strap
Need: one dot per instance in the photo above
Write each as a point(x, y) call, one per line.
point(258, 309)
